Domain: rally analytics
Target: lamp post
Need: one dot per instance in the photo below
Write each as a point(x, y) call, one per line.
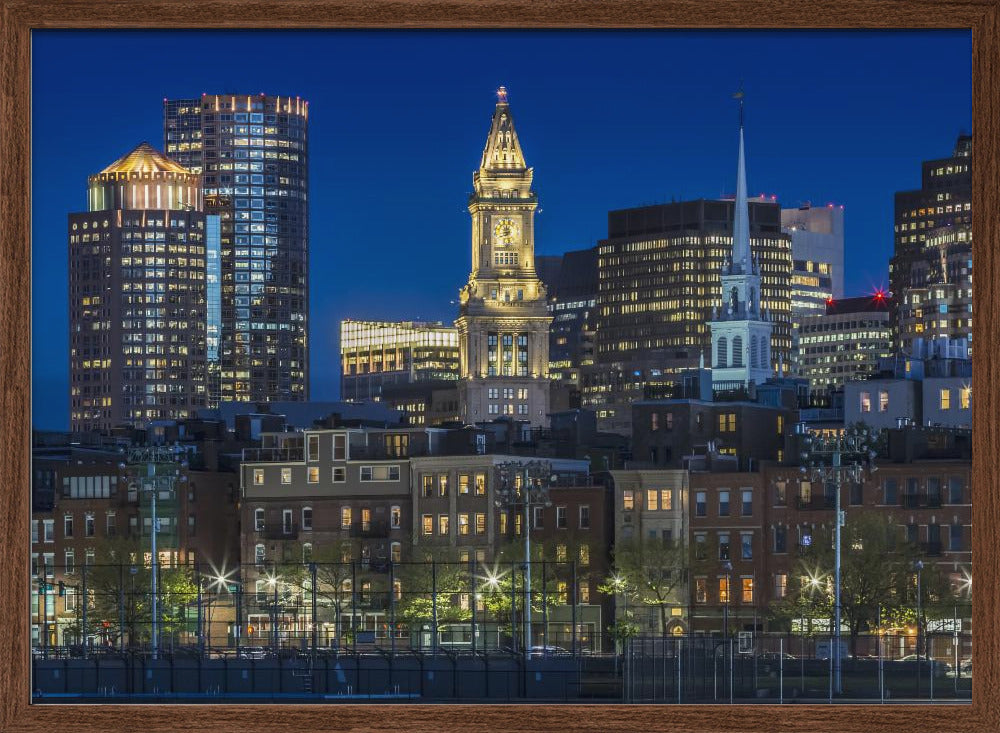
point(728, 568)
point(155, 470)
point(846, 455)
point(525, 484)
point(919, 566)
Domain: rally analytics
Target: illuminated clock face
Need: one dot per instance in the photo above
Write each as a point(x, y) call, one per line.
point(505, 231)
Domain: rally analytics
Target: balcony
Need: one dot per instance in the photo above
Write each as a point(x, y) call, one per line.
point(273, 455)
point(369, 530)
point(931, 549)
point(815, 503)
point(280, 531)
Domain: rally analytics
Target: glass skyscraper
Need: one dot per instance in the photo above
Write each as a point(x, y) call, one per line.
point(252, 152)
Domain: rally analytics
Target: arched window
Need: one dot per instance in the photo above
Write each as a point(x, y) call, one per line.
point(258, 519)
point(734, 300)
point(258, 555)
point(721, 347)
point(750, 300)
point(737, 351)
point(754, 356)
point(307, 553)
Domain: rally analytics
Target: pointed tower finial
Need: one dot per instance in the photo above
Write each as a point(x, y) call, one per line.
point(741, 215)
point(739, 95)
point(502, 95)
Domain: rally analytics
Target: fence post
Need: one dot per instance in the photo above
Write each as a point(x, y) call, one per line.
point(315, 623)
point(832, 652)
point(576, 599)
point(781, 671)
point(930, 656)
point(434, 607)
point(680, 680)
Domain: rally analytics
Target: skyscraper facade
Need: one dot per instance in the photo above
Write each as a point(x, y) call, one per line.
point(932, 245)
point(503, 321)
point(137, 295)
point(374, 354)
point(844, 344)
point(252, 152)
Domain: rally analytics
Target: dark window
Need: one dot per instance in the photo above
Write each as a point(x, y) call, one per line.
point(780, 539)
point(955, 490)
point(891, 488)
point(857, 494)
point(956, 538)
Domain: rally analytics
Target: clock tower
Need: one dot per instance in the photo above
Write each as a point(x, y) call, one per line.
point(503, 321)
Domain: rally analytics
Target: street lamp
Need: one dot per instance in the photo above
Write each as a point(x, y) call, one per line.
point(156, 470)
point(846, 455)
point(525, 484)
point(919, 566)
point(727, 567)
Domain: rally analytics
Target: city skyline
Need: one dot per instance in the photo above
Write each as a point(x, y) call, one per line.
point(427, 203)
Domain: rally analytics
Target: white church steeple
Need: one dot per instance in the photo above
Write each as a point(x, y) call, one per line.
point(741, 332)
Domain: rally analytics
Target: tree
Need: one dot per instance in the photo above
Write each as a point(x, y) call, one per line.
point(119, 588)
point(436, 571)
point(653, 570)
point(877, 577)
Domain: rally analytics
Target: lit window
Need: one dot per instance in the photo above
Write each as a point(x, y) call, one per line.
point(443, 523)
point(652, 497)
point(965, 397)
point(866, 402)
point(345, 517)
point(313, 474)
point(723, 590)
point(427, 524)
point(746, 595)
point(945, 399)
point(700, 590)
point(286, 475)
point(883, 401)
point(258, 476)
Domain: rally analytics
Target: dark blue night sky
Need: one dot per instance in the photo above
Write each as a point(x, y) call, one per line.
point(398, 120)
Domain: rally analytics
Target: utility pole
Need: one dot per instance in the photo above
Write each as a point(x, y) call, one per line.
point(527, 484)
point(152, 470)
point(846, 456)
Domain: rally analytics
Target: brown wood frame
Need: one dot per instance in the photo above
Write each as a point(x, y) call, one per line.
point(19, 17)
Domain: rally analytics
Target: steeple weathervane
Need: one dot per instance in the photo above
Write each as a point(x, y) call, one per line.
point(739, 95)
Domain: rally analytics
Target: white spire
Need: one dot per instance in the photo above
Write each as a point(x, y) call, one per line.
point(741, 218)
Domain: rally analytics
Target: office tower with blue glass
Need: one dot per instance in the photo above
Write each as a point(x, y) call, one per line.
point(252, 152)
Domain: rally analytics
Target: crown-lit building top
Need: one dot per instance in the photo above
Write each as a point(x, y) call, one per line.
point(142, 179)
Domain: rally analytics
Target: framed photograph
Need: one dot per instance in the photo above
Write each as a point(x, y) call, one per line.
point(523, 366)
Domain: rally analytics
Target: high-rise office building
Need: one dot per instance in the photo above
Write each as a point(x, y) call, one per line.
point(658, 281)
point(252, 152)
point(571, 281)
point(933, 239)
point(374, 354)
point(817, 234)
point(845, 343)
point(137, 295)
point(503, 321)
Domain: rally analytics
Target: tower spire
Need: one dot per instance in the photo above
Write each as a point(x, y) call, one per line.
point(503, 149)
point(741, 217)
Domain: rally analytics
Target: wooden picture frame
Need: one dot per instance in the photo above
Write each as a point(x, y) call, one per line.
point(20, 17)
